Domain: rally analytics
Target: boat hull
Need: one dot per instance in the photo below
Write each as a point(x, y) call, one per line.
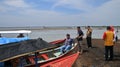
point(72, 51)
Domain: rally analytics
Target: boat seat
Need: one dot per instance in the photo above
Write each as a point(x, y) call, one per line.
point(57, 54)
point(45, 56)
point(31, 59)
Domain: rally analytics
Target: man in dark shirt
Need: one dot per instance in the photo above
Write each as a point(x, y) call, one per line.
point(80, 38)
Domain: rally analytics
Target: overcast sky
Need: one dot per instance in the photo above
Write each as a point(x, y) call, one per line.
point(59, 12)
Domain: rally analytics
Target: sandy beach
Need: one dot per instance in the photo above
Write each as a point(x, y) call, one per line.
point(94, 57)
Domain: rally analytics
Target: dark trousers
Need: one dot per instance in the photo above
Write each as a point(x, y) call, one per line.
point(108, 52)
point(89, 43)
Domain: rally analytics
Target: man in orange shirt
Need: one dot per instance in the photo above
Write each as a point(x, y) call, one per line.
point(108, 37)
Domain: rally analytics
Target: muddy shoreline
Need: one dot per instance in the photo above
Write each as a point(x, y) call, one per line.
point(94, 57)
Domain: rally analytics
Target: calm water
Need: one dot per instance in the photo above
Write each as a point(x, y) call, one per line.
point(51, 35)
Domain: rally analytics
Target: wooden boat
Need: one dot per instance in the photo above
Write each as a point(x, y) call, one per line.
point(46, 57)
point(17, 50)
point(57, 41)
point(66, 61)
point(5, 40)
point(42, 54)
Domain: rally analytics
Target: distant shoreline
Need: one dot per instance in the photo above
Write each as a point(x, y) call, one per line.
point(52, 28)
point(66, 28)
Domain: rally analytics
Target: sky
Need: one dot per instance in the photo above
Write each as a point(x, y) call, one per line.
point(19, 13)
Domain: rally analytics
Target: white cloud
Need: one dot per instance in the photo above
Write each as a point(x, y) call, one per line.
point(7, 6)
point(76, 4)
point(16, 3)
point(107, 14)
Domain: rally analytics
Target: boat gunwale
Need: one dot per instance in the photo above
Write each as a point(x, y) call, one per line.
point(60, 55)
point(21, 55)
point(45, 61)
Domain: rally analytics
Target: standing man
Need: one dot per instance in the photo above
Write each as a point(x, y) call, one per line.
point(108, 38)
point(79, 37)
point(89, 37)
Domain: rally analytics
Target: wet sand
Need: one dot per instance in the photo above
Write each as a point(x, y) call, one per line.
point(94, 57)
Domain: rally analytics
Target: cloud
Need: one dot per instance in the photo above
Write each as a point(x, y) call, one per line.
point(106, 14)
point(27, 15)
point(16, 3)
point(76, 4)
point(8, 6)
